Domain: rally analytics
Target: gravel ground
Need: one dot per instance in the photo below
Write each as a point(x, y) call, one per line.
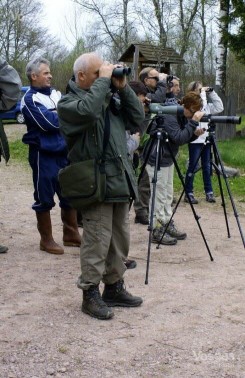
point(191, 323)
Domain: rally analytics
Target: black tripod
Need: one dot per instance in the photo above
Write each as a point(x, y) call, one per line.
point(220, 171)
point(159, 137)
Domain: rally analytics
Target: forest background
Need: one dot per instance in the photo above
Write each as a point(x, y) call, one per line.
point(208, 34)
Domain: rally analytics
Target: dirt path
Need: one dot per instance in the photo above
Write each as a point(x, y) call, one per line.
point(191, 324)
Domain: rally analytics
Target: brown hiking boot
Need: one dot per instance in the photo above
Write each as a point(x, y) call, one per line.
point(94, 306)
point(47, 242)
point(71, 236)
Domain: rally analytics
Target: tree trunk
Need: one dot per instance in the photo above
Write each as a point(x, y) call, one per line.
point(221, 58)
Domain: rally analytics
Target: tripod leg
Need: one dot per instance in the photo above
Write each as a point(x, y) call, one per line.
point(192, 207)
point(219, 162)
point(153, 195)
point(216, 165)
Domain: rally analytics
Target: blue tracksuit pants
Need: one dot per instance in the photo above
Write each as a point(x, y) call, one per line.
point(45, 167)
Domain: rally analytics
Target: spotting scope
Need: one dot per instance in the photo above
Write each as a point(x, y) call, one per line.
point(179, 110)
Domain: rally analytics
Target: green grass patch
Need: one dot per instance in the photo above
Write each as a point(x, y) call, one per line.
point(242, 124)
point(18, 151)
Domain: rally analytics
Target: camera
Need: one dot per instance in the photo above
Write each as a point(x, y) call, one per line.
point(208, 90)
point(169, 81)
point(177, 110)
point(121, 71)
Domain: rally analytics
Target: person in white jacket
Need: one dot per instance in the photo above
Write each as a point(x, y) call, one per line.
point(212, 104)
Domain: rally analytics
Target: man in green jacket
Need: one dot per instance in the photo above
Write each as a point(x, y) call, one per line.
point(82, 112)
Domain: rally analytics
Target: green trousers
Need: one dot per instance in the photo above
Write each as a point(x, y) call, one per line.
point(105, 244)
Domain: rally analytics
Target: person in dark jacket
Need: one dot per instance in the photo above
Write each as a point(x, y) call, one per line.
point(47, 155)
point(10, 87)
point(105, 243)
point(156, 88)
point(141, 205)
point(175, 136)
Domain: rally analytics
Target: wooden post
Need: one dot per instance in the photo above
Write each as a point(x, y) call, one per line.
point(136, 63)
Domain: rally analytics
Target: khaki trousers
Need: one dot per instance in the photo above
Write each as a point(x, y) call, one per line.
point(164, 193)
point(105, 244)
point(141, 207)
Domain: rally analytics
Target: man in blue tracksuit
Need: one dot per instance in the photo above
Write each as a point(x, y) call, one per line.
point(47, 155)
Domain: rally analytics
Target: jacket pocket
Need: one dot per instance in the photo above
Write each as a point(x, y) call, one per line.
point(116, 181)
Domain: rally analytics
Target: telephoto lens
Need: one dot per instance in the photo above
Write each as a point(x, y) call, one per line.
point(121, 71)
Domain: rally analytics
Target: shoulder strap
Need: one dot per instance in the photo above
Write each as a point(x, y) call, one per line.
point(107, 130)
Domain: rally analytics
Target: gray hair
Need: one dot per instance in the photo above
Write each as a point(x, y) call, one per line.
point(34, 66)
point(83, 61)
point(144, 73)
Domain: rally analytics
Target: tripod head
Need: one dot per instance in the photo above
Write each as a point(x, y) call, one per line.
point(211, 130)
point(156, 128)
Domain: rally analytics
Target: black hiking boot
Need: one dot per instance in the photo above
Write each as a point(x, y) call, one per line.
point(193, 200)
point(3, 249)
point(174, 232)
point(94, 306)
point(165, 240)
point(117, 295)
point(130, 264)
point(143, 219)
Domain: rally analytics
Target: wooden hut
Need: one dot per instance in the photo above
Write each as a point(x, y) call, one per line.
point(141, 55)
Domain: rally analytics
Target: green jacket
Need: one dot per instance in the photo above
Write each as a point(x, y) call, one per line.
point(82, 121)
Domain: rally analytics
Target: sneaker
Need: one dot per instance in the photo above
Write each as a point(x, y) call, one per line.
point(94, 306)
point(117, 295)
point(193, 200)
point(3, 249)
point(143, 219)
point(172, 231)
point(130, 264)
point(210, 198)
point(166, 240)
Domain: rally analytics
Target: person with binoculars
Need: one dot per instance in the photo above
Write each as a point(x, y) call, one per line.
point(93, 121)
point(212, 104)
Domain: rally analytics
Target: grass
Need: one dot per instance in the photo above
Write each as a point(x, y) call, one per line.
point(242, 125)
point(18, 151)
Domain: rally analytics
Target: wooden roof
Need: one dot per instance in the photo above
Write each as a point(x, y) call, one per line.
point(152, 54)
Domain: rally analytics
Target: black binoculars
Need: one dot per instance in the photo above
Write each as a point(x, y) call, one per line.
point(121, 71)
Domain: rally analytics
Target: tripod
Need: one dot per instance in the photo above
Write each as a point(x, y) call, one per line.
point(220, 171)
point(160, 137)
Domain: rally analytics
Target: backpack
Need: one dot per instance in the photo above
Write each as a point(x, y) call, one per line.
point(10, 87)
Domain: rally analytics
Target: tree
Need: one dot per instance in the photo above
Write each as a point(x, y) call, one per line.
point(222, 46)
point(21, 33)
point(112, 25)
point(234, 37)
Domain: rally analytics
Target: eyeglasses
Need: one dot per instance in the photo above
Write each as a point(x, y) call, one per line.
point(153, 77)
